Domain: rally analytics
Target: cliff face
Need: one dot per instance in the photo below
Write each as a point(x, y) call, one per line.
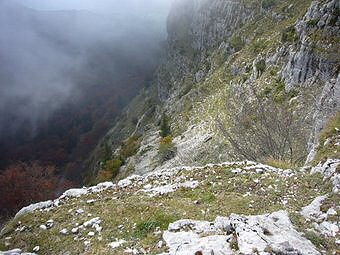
point(195, 28)
point(314, 62)
point(238, 80)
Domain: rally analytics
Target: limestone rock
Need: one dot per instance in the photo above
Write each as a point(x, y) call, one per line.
point(259, 233)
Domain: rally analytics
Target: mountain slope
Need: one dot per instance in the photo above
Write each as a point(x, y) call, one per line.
point(237, 81)
point(243, 80)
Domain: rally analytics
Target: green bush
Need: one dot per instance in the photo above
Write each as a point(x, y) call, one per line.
point(266, 4)
point(236, 42)
point(164, 126)
point(261, 66)
point(335, 16)
point(312, 22)
point(315, 239)
point(329, 133)
point(160, 221)
point(258, 46)
point(289, 35)
point(129, 147)
point(167, 149)
point(113, 166)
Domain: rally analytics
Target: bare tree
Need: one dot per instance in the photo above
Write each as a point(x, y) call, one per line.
point(258, 127)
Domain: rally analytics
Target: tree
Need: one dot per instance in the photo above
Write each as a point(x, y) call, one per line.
point(164, 126)
point(261, 127)
point(24, 183)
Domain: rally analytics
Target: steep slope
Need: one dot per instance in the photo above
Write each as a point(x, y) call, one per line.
point(239, 80)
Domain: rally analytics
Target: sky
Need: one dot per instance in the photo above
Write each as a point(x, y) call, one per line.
point(100, 6)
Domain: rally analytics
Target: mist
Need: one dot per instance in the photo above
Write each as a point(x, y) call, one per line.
point(47, 48)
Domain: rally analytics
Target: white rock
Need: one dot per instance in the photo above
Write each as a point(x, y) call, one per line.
point(92, 222)
point(197, 226)
point(16, 252)
point(90, 201)
point(49, 224)
point(64, 231)
point(160, 244)
point(101, 187)
point(131, 251)
point(312, 211)
point(169, 188)
point(259, 232)
point(75, 230)
point(331, 211)
point(124, 183)
point(79, 211)
point(36, 248)
point(98, 228)
point(43, 227)
point(328, 169)
point(148, 186)
point(116, 244)
point(91, 233)
point(188, 243)
point(33, 207)
point(74, 192)
point(327, 228)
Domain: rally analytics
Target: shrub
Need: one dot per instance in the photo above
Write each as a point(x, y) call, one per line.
point(104, 175)
point(160, 220)
point(113, 166)
point(129, 147)
point(258, 46)
point(266, 4)
point(260, 66)
point(263, 128)
point(289, 35)
point(236, 42)
point(312, 22)
point(328, 138)
point(164, 126)
point(167, 149)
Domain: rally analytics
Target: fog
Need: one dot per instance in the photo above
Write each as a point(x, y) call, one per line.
point(50, 49)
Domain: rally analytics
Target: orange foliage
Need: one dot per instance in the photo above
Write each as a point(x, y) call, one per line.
point(25, 183)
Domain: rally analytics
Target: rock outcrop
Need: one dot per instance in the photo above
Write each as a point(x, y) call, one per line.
point(261, 234)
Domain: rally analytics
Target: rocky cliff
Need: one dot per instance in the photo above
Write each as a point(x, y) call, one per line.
point(239, 80)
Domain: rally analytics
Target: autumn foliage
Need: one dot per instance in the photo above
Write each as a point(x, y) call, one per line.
point(24, 183)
